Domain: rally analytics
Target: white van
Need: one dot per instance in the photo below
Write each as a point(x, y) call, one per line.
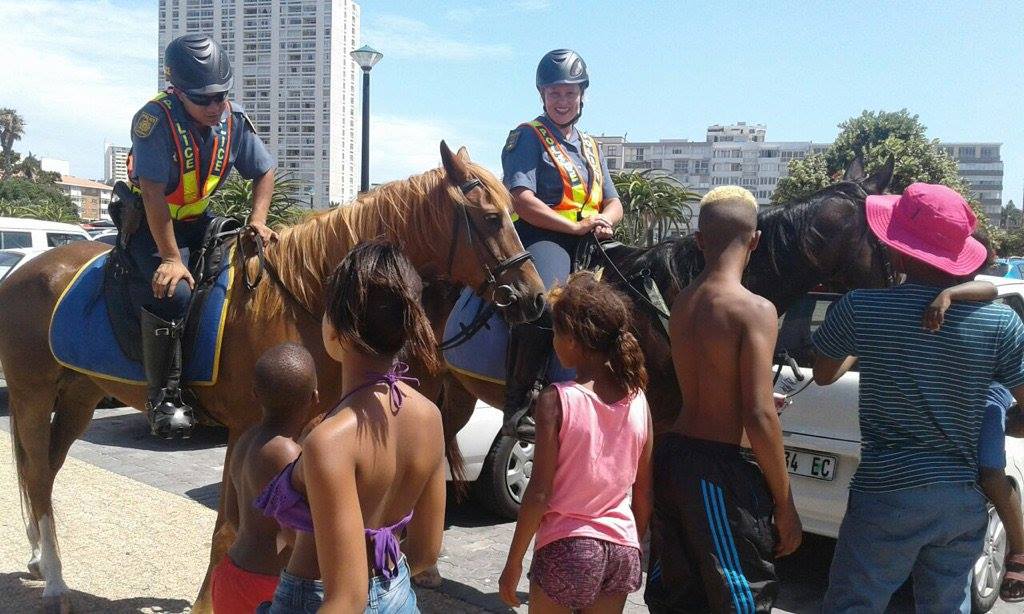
point(24, 232)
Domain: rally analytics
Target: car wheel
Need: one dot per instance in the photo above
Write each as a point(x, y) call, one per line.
point(504, 477)
point(990, 567)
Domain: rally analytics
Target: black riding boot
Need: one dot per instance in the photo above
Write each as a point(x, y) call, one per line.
point(169, 415)
point(529, 352)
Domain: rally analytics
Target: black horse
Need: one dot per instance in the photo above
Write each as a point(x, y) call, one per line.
point(823, 241)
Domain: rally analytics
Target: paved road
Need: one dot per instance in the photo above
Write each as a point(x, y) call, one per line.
point(118, 441)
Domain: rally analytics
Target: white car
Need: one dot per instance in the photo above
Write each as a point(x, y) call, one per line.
point(25, 232)
point(822, 438)
point(821, 435)
point(14, 258)
point(499, 467)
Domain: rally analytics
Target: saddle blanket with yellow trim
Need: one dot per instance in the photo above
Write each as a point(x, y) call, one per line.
point(82, 338)
point(483, 356)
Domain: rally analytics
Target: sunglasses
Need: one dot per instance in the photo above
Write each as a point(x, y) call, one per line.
point(203, 100)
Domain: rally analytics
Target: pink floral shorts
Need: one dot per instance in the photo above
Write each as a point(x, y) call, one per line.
point(575, 571)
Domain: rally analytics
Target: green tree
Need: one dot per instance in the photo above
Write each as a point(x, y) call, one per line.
point(12, 128)
point(1011, 216)
point(31, 168)
point(20, 197)
point(874, 136)
point(655, 206)
point(234, 199)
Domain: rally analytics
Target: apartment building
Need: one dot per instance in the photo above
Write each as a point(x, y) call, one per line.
point(91, 198)
point(115, 163)
point(981, 166)
point(293, 75)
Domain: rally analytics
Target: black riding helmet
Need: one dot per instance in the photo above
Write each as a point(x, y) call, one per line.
point(196, 64)
point(562, 66)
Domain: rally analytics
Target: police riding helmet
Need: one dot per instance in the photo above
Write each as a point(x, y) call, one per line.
point(196, 64)
point(562, 66)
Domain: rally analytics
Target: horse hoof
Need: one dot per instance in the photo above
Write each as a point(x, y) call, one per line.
point(430, 578)
point(59, 604)
point(35, 570)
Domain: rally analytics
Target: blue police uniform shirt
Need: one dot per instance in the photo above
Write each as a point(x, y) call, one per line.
point(154, 155)
point(526, 164)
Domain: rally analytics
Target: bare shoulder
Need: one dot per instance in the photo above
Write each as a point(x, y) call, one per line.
point(332, 438)
point(274, 455)
point(549, 406)
point(755, 309)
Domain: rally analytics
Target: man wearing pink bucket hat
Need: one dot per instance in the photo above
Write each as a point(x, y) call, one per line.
point(914, 506)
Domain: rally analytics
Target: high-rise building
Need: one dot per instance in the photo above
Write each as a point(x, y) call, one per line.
point(981, 166)
point(737, 154)
point(115, 164)
point(293, 75)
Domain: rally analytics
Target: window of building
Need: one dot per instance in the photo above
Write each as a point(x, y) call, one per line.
point(613, 163)
point(680, 166)
point(700, 167)
point(965, 152)
point(990, 153)
point(769, 153)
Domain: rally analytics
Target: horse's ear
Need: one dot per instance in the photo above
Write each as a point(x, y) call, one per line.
point(454, 165)
point(854, 172)
point(463, 154)
point(879, 180)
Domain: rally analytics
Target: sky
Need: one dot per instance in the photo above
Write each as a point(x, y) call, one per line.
point(463, 70)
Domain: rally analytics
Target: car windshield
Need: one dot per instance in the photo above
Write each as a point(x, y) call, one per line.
point(8, 260)
point(56, 239)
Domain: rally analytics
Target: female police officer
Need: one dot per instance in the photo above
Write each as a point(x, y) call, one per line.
point(561, 192)
point(184, 143)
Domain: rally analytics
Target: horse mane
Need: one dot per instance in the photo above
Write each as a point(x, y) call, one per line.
point(413, 213)
point(674, 263)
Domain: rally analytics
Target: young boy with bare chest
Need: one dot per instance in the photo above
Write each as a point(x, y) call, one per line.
point(719, 520)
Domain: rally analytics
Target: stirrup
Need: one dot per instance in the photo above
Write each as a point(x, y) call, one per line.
point(168, 419)
point(520, 424)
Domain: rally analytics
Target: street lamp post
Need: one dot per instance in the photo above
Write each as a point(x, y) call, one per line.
point(366, 56)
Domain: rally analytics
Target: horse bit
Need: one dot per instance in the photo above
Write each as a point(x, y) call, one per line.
point(504, 294)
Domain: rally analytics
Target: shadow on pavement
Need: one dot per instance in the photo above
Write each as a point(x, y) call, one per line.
point(473, 596)
point(208, 495)
point(132, 431)
point(23, 594)
point(464, 511)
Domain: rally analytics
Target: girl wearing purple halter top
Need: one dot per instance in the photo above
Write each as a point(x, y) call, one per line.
point(373, 467)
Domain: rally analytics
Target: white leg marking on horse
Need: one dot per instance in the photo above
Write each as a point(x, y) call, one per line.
point(34, 568)
point(53, 573)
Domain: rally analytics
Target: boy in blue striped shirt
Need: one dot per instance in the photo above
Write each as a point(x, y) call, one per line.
point(914, 507)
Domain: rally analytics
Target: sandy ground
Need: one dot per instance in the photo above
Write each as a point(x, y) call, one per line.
point(116, 558)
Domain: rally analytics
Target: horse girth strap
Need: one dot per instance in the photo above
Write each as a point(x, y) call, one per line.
point(461, 218)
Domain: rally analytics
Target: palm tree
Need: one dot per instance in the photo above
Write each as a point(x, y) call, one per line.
point(234, 199)
point(655, 205)
point(12, 128)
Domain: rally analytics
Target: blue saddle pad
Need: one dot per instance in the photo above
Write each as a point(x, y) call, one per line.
point(82, 338)
point(483, 355)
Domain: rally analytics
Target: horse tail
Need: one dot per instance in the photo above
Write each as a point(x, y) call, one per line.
point(456, 465)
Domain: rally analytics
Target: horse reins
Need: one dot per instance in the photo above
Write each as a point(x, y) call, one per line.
point(504, 294)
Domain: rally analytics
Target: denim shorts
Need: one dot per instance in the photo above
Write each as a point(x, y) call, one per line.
point(295, 595)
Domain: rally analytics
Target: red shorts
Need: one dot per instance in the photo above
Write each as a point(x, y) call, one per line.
point(237, 591)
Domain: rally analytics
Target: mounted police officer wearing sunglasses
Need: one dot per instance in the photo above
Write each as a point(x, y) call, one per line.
point(561, 192)
point(184, 143)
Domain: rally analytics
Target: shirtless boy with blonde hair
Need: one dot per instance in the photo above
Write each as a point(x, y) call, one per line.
point(719, 522)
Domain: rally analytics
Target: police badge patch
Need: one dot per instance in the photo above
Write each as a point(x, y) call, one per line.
point(143, 125)
point(513, 138)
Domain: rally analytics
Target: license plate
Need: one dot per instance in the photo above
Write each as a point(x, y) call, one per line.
point(811, 465)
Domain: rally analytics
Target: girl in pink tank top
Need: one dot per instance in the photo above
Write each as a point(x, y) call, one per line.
point(593, 450)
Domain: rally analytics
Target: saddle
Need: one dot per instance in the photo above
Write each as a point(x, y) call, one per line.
point(205, 265)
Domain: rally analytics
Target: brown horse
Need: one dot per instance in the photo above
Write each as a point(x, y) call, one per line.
point(824, 240)
point(452, 223)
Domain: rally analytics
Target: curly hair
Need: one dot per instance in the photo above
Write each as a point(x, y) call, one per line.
point(373, 301)
point(597, 316)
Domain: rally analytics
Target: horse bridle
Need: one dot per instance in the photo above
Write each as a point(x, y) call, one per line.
point(504, 294)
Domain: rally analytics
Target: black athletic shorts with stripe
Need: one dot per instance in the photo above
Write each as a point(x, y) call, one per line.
point(712, 538)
